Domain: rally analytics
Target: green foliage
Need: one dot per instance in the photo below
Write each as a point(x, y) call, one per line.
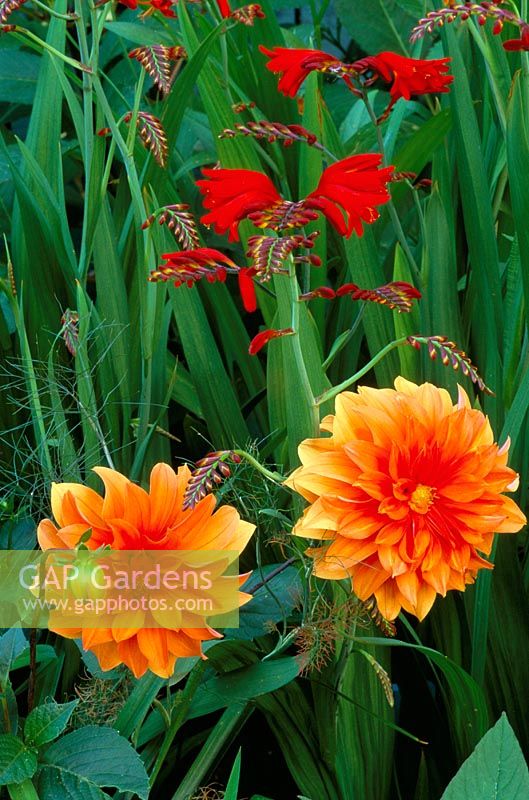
point(496, 769)
point(101, 366)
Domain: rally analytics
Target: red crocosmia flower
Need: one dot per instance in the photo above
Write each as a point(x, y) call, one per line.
point(347, 194)
point(350, 190)
point(294, 65)
point(165, 6)
point(518, 44)
point(409, 76)
point(247, 289)
point(262, 338)
point(224, 8)
point(232, 194)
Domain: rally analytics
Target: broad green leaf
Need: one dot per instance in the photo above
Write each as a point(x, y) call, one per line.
point(100, 756)
point(54, 785)
point(18, 85)
point(496, 770)
point(17, 763)
point(46, 722)
point(273, 600)
point(242, 685)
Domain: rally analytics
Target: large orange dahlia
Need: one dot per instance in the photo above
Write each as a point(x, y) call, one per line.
point(407, 491)
point(129, 518)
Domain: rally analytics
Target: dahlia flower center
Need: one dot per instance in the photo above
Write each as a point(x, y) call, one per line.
point(418, 496)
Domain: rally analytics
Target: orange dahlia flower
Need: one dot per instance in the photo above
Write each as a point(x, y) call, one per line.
point(407, 492)
point(129, 518)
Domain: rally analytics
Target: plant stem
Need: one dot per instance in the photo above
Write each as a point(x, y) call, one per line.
point(52, 13)
point(178, 715)
point(272, 476)
point(331, 393)
point(22, 34)
point(306, 389)
point(351, 332)
point(22, 791)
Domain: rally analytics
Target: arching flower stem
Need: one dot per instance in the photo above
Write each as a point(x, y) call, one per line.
point(275, 477)
point(68, 17)
point(331, 393)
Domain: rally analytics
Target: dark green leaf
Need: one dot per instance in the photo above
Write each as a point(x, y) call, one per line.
point(46, 722)
point(16, 762)
point(101, 757)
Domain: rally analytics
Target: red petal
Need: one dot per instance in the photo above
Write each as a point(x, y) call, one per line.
point(247, 290)
point(264, 337)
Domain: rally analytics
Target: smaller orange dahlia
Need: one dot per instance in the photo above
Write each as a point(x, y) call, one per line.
point(129, 518)
point(407, 491)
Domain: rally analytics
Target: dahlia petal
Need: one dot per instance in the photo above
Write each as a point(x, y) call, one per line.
point(223, 531)
point(125, 536)
point(70, 535)
point(322, 515)
point(408, 584)
point(391, 561)
point(438, 577)
point(425, 599)
point(130, 654)
point(514, 518)
point(462, 398)
point(76, 490)
point(359, 526)
point(127, 624)
point(107, 654)
point(166, 493)
point(182, 645)
point(306, 532)
point(93, 636)
point(367, 578)
point(391, 533)
point(115, 487)
point(152, 642)
point(389, 600)
point(421, 543)
point(48, 536)
point(367, 456)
